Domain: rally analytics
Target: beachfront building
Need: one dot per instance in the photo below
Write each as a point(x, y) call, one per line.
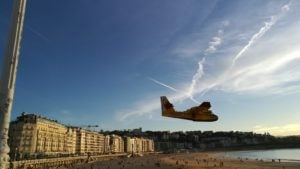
point(107, 144)
point(148, 145)
point(32, 135)
point(89, 142)
point(129, 142)
point(138, 145)
point(116, 144)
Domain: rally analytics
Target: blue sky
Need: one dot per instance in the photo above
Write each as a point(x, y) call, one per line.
point(108, 62)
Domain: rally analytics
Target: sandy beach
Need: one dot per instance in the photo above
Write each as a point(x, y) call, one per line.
point(185, 161)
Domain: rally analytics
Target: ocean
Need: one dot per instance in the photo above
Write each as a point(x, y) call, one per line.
point(285, 155)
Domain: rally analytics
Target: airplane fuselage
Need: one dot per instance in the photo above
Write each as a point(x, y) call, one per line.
point(190, 115)
point(198, 113)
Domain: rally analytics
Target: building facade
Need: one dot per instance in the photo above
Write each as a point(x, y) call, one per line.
point(138, 145)
point(116, 144)
point(88, 142)
point(32, 136)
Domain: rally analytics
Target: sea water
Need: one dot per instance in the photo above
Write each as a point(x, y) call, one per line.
point(292, 155)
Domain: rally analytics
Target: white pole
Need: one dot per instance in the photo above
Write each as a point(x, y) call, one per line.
point(8, 78)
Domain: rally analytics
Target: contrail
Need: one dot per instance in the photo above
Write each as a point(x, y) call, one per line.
point(37, 33)
point(261, 32)
point(173, 89)
point(213, 44)
point(197, 76)
point(167, 86)
point(255, 37)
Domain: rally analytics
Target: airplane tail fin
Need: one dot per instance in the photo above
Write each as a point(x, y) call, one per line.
point(166, 106)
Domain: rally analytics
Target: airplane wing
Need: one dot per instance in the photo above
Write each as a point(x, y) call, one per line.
point(205, 105)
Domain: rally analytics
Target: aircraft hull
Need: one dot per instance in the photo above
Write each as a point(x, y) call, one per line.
point(198, 113)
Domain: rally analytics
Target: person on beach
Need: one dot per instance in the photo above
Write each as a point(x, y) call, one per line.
point(221, 164)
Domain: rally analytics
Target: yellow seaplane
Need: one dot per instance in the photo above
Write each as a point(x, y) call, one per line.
point(198, 113)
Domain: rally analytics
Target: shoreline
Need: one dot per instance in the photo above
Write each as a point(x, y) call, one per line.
point(185, 161)
point(251, 148)
point(238, 154)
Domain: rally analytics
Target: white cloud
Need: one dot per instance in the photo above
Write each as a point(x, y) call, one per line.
point(220, 31)
point(197, 76)
point(146, 106)
point(265, 71)
point(216, 40)
point(213, 44)
point(193, 49)
point(285, 8)
point(141, 108)
point(188, 52)
point(265, 74)
point(280, 130)
point(225, 23)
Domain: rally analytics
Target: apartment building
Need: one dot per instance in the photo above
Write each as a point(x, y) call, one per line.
point(33, 135)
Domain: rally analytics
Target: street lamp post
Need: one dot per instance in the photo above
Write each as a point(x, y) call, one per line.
point(8, 78)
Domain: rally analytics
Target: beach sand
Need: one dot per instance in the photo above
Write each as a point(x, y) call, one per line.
point(185, 161)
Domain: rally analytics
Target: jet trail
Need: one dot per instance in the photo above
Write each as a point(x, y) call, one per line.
point(173, 89)
point(37, 33)
point(255, 37)
point(215, 42)
point(261, 32)
point(197, 76)
point(167, 86)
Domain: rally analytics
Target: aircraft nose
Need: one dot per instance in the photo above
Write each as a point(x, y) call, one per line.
point(215, 117)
